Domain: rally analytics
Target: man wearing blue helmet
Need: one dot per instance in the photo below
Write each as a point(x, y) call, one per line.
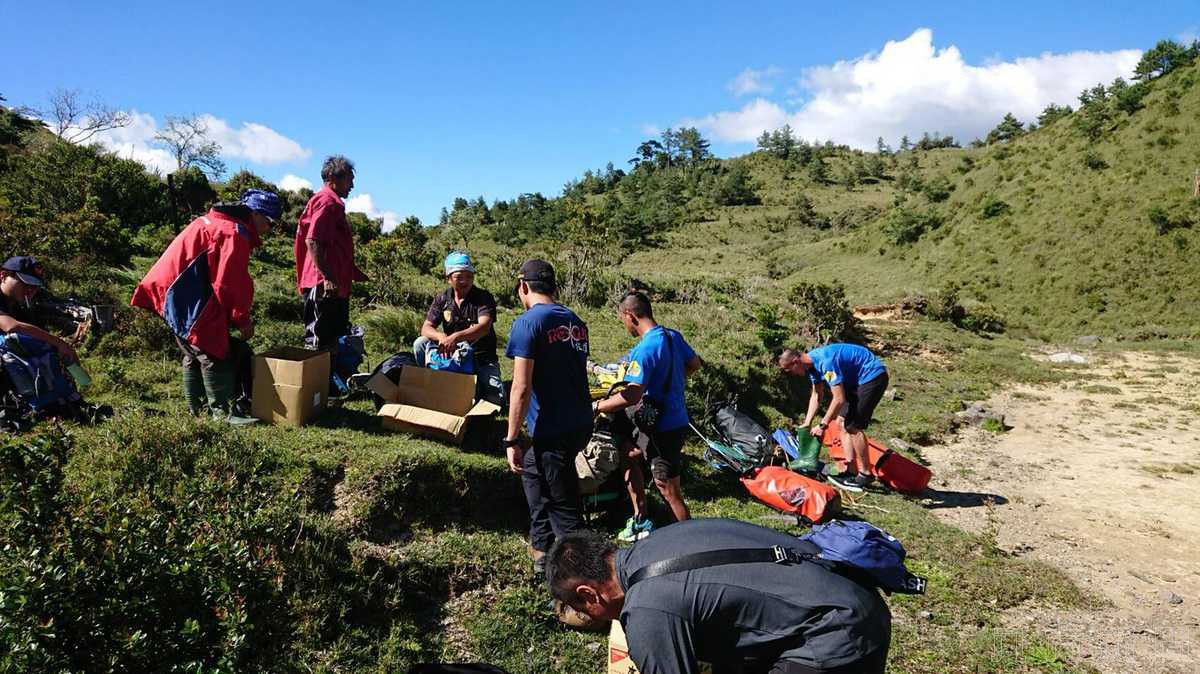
point(201, 287)
point(464, 312)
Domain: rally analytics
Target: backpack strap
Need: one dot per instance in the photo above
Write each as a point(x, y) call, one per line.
point(709, 558)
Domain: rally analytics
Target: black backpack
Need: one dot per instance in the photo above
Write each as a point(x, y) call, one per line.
point(391, 369)
point(740, 430)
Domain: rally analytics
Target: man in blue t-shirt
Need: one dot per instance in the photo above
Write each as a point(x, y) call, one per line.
point(549, 347)
point(656, 370)
point(857, 380)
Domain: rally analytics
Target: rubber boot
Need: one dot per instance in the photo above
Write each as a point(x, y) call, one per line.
point(219, 384)
point(193, 389)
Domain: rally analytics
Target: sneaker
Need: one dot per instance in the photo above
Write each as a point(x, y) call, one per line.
point(852, 482)
point(635, 530)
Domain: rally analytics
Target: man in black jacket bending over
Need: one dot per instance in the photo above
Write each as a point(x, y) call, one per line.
point(793, 618)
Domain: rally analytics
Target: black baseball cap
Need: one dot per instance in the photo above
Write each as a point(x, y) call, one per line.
point(28, 270)
point(537, 270)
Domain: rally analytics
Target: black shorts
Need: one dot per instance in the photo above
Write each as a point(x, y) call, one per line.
point(861, 402)
point(664, 451)
point(326, 318)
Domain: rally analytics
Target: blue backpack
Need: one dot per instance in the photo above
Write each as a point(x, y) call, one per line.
point(864, 549)
point(859, 551)
point(35, 372)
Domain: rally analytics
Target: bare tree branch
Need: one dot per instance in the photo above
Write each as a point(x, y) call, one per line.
point(76, 120)
point(186, 138)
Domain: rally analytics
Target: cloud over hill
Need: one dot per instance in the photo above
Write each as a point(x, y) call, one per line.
point(910, 86)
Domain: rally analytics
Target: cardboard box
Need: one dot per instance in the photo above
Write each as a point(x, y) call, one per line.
point(430, 402)
point(290, 385)
point(619, 661)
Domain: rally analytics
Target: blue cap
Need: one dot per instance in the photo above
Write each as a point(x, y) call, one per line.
point(28, 270)
point(458, 261)
point(264, 202)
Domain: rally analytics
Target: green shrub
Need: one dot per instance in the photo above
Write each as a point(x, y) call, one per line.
point(168, 557)
point(983, 318)
point(391, 329)
point(1094, 161)
point(993, 207)
point(823, 313)
point(904, 225)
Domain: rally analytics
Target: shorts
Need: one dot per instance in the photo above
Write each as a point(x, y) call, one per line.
point(862, 401)
point(663, 451)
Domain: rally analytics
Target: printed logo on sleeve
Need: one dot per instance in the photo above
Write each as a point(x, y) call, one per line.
point(829, 376)
point(634, 369)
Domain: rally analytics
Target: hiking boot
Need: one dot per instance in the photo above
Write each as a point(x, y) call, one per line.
point(539, 561)
point(193, 390)
point(635, 530)
point(855, 483)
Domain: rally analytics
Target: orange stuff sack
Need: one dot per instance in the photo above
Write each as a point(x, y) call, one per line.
point(793, 493)
point(891, 467)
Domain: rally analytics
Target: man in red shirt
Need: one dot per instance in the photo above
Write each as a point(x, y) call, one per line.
point(325, 269)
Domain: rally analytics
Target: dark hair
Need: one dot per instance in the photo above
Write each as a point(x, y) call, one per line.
point(336, 166)
point(234, 210)
point(636, 303)
point(542, 287)
point(789, 353)
point(580, 557)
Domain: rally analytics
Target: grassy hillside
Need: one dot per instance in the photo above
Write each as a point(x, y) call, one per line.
point(156, 542)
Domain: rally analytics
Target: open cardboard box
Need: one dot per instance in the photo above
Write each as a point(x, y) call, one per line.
point(430, 402)
point(290, 385)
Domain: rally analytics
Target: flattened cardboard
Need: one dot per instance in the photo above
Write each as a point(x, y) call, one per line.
point(290, 385)
point(429, 402)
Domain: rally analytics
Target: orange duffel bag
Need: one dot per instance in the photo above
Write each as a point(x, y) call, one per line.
point(793, 493)
point(891, 467)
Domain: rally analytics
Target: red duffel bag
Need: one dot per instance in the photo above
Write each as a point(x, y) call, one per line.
point(891, 467)
point(793, 493)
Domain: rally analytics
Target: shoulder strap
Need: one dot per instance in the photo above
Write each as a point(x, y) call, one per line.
point(710, 558)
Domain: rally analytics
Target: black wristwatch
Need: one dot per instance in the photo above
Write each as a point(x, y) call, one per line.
point(506, 443)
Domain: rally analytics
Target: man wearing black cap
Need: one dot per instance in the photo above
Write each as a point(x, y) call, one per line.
point(549, 348)
point(20, 280)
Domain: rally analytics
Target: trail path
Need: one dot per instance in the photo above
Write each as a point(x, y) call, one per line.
point(1101, 478)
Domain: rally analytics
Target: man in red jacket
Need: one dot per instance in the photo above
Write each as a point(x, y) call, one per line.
point(324, 249)
point(201, 286)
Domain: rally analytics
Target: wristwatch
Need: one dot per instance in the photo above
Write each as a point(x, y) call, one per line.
point(506, 443)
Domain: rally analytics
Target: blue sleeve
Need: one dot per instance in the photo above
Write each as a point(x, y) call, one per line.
point(640, 365)
point(685, 349)
point(522, 339)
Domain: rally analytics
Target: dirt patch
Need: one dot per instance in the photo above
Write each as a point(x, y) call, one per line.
point(1098, 478)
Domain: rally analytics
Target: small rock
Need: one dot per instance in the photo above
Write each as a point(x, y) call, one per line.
point(1089, 340)
point(594, 646)
point(975, 414)
point(1170, 597)
point(925, 615)
point(893, 394)
point(1068, 357)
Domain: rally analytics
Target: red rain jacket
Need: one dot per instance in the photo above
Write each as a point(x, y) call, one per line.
point(201, 285)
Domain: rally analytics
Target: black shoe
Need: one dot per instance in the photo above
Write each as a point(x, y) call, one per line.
point(852, 482)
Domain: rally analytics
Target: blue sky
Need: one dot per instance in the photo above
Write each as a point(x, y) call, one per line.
point(438, 100)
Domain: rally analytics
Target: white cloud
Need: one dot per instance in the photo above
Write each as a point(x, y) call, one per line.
point(910, 87)
point(1189, 35)
point(651, 131)
point(252, 141)
point(751, 81)
point(363, 203)
point(294, 182)
point(258, 143)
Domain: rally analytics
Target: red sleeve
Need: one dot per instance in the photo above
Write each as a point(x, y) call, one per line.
point(232, 285)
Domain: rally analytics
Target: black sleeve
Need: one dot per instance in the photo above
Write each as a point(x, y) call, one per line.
point(434, 315)
point(660, 643)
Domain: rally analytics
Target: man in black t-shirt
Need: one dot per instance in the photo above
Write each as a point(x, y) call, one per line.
point(463, 312)
point(778, 618)
point(20, 281)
